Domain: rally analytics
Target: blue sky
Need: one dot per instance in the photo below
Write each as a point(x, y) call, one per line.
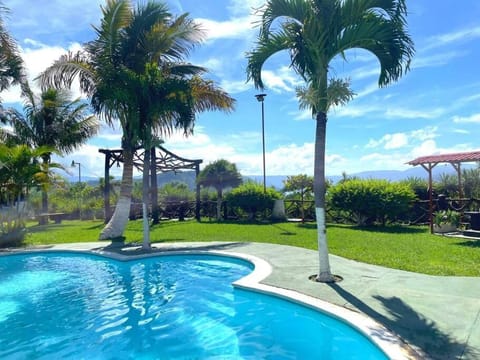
point(433, 109)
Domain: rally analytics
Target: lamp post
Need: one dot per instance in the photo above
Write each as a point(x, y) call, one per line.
point(79, 182)
point(79, 170)
point(261, 98)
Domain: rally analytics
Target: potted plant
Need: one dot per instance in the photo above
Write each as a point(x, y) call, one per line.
point(446, 221)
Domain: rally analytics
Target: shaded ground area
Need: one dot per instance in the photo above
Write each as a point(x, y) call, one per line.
point(437, 316)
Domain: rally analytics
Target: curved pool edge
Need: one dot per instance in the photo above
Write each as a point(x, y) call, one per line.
point(390, 344)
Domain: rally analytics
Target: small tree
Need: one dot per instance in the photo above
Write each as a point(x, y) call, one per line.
point(301, 185)
point(220, 175)
point(251, 198)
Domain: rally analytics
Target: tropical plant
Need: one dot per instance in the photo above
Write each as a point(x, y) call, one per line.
point(447, 184)
point(52, 120)
point(20, 170)
point(301, 185)
point(11, 64)
point(220, 175)
point(471, 183)
point(135, 72)
point(315, 32)
point(447, 217)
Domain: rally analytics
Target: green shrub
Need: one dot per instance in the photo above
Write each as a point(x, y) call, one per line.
point(368, 201)
point(251, 199)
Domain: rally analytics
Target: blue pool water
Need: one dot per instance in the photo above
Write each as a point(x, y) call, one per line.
point(77, 306)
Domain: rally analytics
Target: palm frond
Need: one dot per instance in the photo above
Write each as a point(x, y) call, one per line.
point(266, 47)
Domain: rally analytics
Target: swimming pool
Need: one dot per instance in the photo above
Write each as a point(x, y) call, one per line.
point(67, 305)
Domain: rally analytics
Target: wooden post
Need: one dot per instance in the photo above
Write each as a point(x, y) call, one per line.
point(106, 190)
point(197, 204)
point(429, 168)
point(154, 187)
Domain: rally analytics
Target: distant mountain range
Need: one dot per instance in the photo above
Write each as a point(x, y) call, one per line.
point(392, 175)
point(276, 181)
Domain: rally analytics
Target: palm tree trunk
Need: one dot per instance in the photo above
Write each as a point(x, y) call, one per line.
point(44, 219)
point(324, 274)
point(219, 204)
point(146, 198)
point(117, 224)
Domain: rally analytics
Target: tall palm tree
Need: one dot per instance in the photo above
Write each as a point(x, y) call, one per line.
point(51, 119)
point(135, 72)
point(315, 32)
point(220, 175)
point(11, 64)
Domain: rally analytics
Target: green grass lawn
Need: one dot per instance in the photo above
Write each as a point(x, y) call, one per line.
point(406, 248)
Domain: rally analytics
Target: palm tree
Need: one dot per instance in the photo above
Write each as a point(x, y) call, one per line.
point(20, 169)
point(52, 120)
point(220, 175)
point(11, 64)
point(315, 32)
point(134, 72)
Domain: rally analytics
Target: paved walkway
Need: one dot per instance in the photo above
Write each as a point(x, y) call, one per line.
point(437, 316)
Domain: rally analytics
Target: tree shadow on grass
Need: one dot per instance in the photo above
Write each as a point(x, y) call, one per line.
point(415, 329)
point(42, 228)
point(283, 230)
point(391, 229)
point(469, 243)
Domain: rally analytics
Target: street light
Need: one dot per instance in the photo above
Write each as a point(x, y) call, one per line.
point(79, 170)
point(79, 182)
point(261, 98)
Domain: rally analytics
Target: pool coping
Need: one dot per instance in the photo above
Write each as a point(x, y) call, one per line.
point(389, 343)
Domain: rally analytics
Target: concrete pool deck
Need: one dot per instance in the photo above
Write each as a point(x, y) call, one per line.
point(439, 317)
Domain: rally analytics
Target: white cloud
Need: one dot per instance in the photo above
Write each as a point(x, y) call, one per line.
point(38, 57)
point(389, 141)
point(401, 140)
point(354, 110)
point(281, 79)
point(237, 28)
point(396, 141)
point(446, 39)
point(241, 7)
point(291, 159)
point(436, 59)
point(430, 132)
point(429, 147)
point(276, 82)
point(235, 87)
point(475, 119)
point(414, 114)
point(301, 115)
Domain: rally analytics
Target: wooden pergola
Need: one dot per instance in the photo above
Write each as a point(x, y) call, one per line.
point(454, 159)
point(162, 161)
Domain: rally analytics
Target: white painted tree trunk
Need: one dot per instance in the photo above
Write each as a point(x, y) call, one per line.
point(324, 274)
point(118, 222)
point(145, 199)
point(319, 187)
